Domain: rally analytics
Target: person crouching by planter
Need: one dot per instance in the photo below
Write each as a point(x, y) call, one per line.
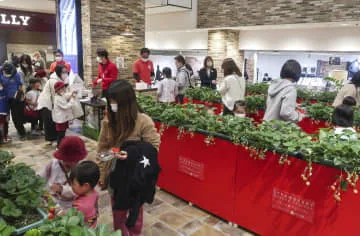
point(125, 121)
point(240, 109)
point(30, 111)
point(343, 119)
point(84, 178)
point(13, 85)
point(282, 94)
point(349, 89)
point(62, 112)
point(167, 90)
point(71, 151)
point(233, 87)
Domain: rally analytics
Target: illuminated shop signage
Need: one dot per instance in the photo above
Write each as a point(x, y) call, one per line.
point(12, 19)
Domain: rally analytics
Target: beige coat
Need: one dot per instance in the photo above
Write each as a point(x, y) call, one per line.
point(345, 91)
point(144, 131)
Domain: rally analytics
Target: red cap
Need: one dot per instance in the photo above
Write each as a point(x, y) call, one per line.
point(40, 73)
point(71, 149)
point(59, 85)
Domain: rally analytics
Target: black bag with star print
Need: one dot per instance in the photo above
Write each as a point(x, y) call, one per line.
point(133, 180)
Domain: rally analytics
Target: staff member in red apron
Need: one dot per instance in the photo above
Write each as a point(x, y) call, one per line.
point(107, 72)
point(143, 68)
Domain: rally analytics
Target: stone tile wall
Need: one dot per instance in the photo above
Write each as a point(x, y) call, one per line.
point(227, 13)
point(224, 44)
point(100, 25)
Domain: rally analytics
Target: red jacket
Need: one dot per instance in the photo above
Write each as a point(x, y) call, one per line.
point(108, 73)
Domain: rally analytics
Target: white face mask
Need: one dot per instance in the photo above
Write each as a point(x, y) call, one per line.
point(240, 115)
point(64, 76)
point(7, 75)
point(25, 65)
point(144, 59)
point(114, 107)
point(209, 64)
point(58, 59)
point(98, 59)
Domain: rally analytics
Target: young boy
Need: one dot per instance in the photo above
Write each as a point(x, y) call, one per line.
point(84, 177)
point(168, 89)
point(4, 112)
point(62, 112)
point(240, 109)
point(31, 114)
point(71, 151)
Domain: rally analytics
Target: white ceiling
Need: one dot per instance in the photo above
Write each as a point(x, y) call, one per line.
point(45, 6)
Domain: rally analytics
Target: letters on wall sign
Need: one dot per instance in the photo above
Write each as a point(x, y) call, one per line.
point(12, 19)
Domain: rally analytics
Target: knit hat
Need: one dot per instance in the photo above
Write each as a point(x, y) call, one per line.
point(40, 73)
point(71, 149)
point(59, 85)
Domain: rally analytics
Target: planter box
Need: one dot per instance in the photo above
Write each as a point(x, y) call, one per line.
point(259, 195)
point(201, 174)
point(272, 199)
point(35, 225)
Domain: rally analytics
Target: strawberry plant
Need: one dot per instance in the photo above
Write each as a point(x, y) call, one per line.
point(257, 89)
point(5, 230)
point(255, 103)
point(320, 111)
point(20, 192)
point(70, 224)
point(203, 94)
point(304, 94)
point(327, 97)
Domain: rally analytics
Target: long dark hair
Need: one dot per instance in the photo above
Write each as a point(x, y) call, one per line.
point(207, 59)
point(229, 66)
point(27, 59)
point(122, 123)
point(58, 70)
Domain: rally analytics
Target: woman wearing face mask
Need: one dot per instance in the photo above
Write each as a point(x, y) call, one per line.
point(125, 122)
point(46, 102)
point(12, 83)
point(59, 60)
point(26, 71)
point(107, 72)
point(208, 74)
point(39, 62)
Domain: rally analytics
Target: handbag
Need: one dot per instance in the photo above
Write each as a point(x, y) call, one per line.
point(28, 112)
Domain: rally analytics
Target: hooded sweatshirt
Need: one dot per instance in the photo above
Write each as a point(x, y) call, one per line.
point(281, 102)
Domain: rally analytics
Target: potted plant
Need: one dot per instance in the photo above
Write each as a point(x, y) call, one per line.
point(20, 194)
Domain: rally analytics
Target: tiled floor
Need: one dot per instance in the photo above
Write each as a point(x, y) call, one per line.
point(167, 216)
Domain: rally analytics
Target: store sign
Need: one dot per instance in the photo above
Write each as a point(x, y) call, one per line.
point(6, 19)
point(294, 205)
point(191, 167)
